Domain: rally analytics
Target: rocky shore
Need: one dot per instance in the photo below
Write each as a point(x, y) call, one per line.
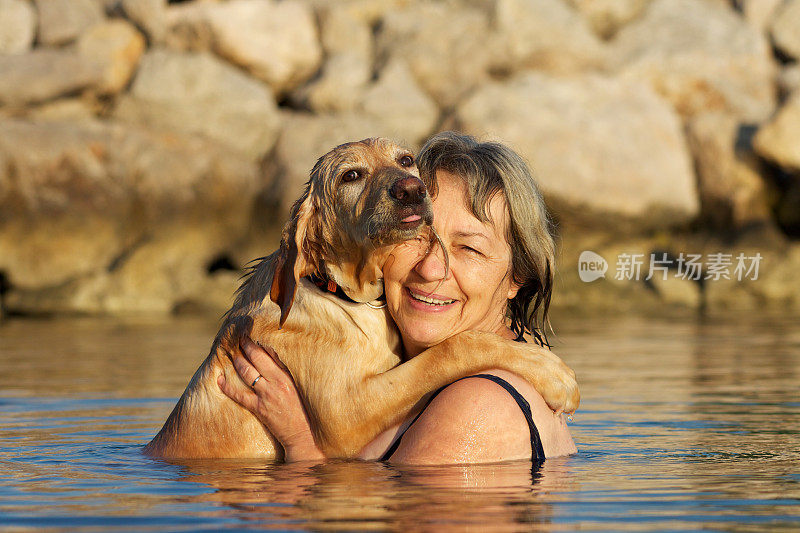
point(149, 149)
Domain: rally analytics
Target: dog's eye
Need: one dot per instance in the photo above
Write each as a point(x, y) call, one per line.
point(350, 175)
point(406, 161)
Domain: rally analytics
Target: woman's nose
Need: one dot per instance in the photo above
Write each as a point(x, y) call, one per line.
point(431, 266)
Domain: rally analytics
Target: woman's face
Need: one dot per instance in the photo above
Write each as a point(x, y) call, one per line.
point(429, 309)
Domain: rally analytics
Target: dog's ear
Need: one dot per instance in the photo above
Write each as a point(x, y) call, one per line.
point(292, 262)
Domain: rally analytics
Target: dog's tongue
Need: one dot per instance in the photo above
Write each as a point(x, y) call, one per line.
point(411, 218)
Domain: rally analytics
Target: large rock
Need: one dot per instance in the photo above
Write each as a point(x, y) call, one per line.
point(596, 144)
point(42, 74)
point(17, 26)
point(149, 15)
point(606, 17)
point(105, 217)
point(116, 46)
point(701, 56)
point(779, 139)
point(61, 21)
point(545, 35)
point(401, 108)
point(277, 42)
point(198, 93)
point(732, 193)
point(785, 28)
point(759, 13)
point(348, 65)
point(439, 45)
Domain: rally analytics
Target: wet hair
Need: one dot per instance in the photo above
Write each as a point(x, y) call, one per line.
point(490, 168)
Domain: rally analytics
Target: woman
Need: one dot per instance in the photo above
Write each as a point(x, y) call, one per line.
point(492, 220)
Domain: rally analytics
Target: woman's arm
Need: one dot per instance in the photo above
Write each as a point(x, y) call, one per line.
point(274, 400)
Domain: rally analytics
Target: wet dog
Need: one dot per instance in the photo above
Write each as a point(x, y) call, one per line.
point(362, 199)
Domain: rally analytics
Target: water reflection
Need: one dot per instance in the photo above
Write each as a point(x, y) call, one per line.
point(348, 494)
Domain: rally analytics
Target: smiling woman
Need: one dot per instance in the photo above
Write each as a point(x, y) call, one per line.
point(493, 227)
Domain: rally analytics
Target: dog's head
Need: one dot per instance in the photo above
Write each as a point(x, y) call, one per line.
point(362, 197)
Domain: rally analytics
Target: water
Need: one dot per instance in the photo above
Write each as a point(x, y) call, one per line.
point(684, 425)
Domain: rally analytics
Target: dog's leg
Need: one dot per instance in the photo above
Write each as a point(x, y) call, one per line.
point(382, 400)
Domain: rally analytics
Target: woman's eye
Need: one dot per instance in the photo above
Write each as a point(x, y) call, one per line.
point(406, 161)
point(471, 250)
point(350, 175)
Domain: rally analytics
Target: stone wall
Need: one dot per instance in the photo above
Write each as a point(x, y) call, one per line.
point(149, 149)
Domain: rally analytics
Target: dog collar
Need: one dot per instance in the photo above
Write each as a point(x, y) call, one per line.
point(328, 285)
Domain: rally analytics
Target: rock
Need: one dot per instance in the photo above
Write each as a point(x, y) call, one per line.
point(789, 80)
point(42, 74)
point(701, 56)
point(606, 17)
point(438, 44)
point(545, 35)
point(198, 93)
point(17, 26)
point(303, 140)
point(117, 46)
point(276, 41)
point(61, 21)
point(785, 28)
point(402, 109)
point(149, 15)
point(758, 13)
point(127, 219)
point(779, 139)
point(732, 193)
point(597, 145)
point(63, 109)
point(348, 67)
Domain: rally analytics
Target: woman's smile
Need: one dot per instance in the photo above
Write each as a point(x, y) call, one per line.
point(428, 302)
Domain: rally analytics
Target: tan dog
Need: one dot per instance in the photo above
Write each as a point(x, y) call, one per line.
point(362, 198)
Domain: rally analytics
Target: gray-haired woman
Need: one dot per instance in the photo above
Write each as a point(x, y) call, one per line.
point(492, 221)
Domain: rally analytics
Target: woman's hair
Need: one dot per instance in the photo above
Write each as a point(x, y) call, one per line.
point(490, 168)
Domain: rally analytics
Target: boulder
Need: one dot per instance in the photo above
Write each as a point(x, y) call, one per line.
point(701, 56)
point(197, 93)
point(401, 108)
point(149, 15)
point(276, 42)
point(105, 217)
point(43, 74)
point(17, 26)
point(348, 67)
point(732, 193)
point(785, 28)
point(606, 17)
point(597, 145)
point(438, 43)
point(779, 139)
point(61, 21)
point(545, 35)
point(759, 13)
point(116, 46)
point(789, 80)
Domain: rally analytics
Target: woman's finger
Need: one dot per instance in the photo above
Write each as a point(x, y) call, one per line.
point(264, 360)
point(246, 371)
point(243, 397)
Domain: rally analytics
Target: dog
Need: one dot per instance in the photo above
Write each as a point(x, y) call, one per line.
point(361, 199)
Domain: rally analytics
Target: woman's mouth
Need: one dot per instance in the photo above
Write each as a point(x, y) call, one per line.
point(429, 301)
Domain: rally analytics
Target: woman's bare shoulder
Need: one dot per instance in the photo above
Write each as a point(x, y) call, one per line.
point(470, 421)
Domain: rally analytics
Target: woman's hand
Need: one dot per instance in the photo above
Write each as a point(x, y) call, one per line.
point(274, 400)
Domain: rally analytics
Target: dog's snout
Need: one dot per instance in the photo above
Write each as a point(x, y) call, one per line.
point(409, 190)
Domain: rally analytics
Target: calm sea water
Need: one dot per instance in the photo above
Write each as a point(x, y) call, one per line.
point(685, 424)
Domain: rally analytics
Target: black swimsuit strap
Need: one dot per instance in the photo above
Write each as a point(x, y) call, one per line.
point(537, 452)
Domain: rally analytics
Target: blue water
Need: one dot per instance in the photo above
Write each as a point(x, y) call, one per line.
point(685, 424)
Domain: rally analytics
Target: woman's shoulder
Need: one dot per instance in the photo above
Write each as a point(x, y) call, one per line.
point(552, 428)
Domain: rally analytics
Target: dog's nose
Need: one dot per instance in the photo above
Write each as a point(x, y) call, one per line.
point(408, 190)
